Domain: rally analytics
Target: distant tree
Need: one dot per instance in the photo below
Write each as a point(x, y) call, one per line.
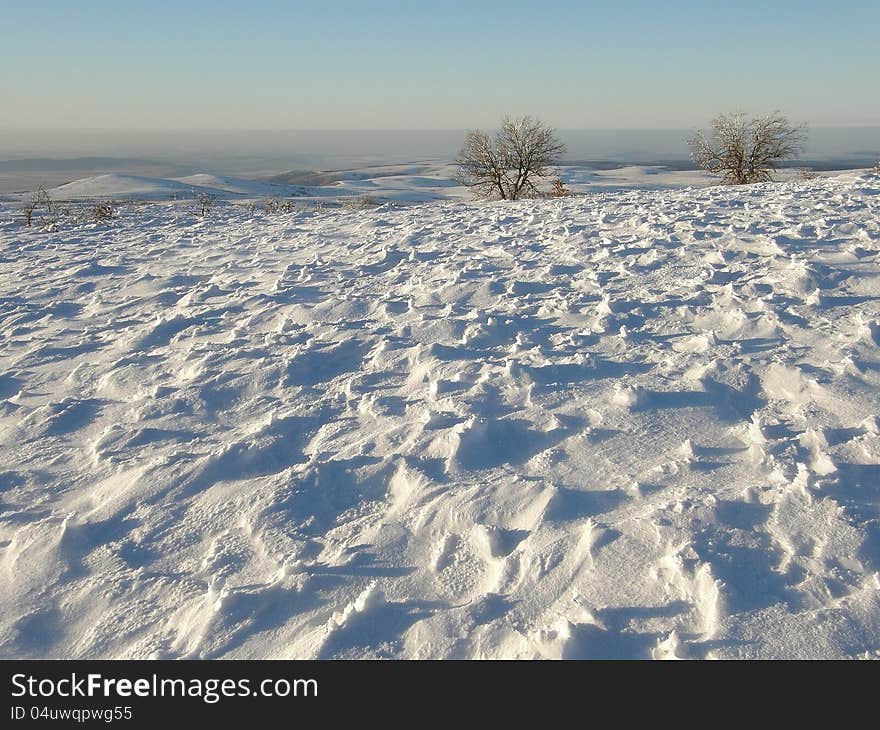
point(205, 203)
point(742, 150)
point(27, 212)
point(41, 198)
point(510, 164)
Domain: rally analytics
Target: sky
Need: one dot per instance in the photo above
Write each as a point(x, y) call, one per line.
point(387, 64)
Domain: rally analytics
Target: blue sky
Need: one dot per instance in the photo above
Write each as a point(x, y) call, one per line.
point(408, 65)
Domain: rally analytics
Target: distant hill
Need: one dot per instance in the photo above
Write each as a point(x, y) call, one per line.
point(156, 188)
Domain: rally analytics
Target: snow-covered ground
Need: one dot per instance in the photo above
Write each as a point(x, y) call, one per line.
point(413, 183)
point(417, 182)
point(630, 424)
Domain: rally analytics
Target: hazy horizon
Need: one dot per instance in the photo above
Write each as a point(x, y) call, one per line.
point(249, 152)
point(823, 140)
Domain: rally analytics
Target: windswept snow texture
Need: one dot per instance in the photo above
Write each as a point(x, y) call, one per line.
point(627, 425)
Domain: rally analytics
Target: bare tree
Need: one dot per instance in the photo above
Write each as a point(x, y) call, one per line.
point(510, 164)
point(205, 204)
point(41, 197)
point(742, 150)
point(27, 212)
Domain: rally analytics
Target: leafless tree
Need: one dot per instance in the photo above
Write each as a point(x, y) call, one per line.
point(742, 150)
point(510, 164)
point(41, 197)
point(27, 212)
point(205, 204)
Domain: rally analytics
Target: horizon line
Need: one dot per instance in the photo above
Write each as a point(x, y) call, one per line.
point(264, 130)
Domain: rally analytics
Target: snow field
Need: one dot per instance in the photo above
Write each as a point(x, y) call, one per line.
point(631, 424)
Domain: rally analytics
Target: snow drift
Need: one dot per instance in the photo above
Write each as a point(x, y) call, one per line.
point(633, 424)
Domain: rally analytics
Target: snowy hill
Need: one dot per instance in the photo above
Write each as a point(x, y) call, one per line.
point(135, 187)
point(426, 181)
point(236, 186)
point(400, 183)
point(125, 186)
point(631, 424)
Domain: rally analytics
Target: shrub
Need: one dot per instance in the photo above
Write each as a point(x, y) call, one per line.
point(558, 189)
point(27, 212)
point(742, 150)
point(39, 199)
point(205, 203)
point(277, 205)
point(509, 166)
point(103, 212)
point(364, 201)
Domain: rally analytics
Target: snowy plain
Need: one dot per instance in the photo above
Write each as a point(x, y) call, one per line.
point(630, 424)
point(416, 182)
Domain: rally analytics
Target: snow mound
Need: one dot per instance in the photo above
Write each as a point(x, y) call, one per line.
point(120, 186)
point(235, 186)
